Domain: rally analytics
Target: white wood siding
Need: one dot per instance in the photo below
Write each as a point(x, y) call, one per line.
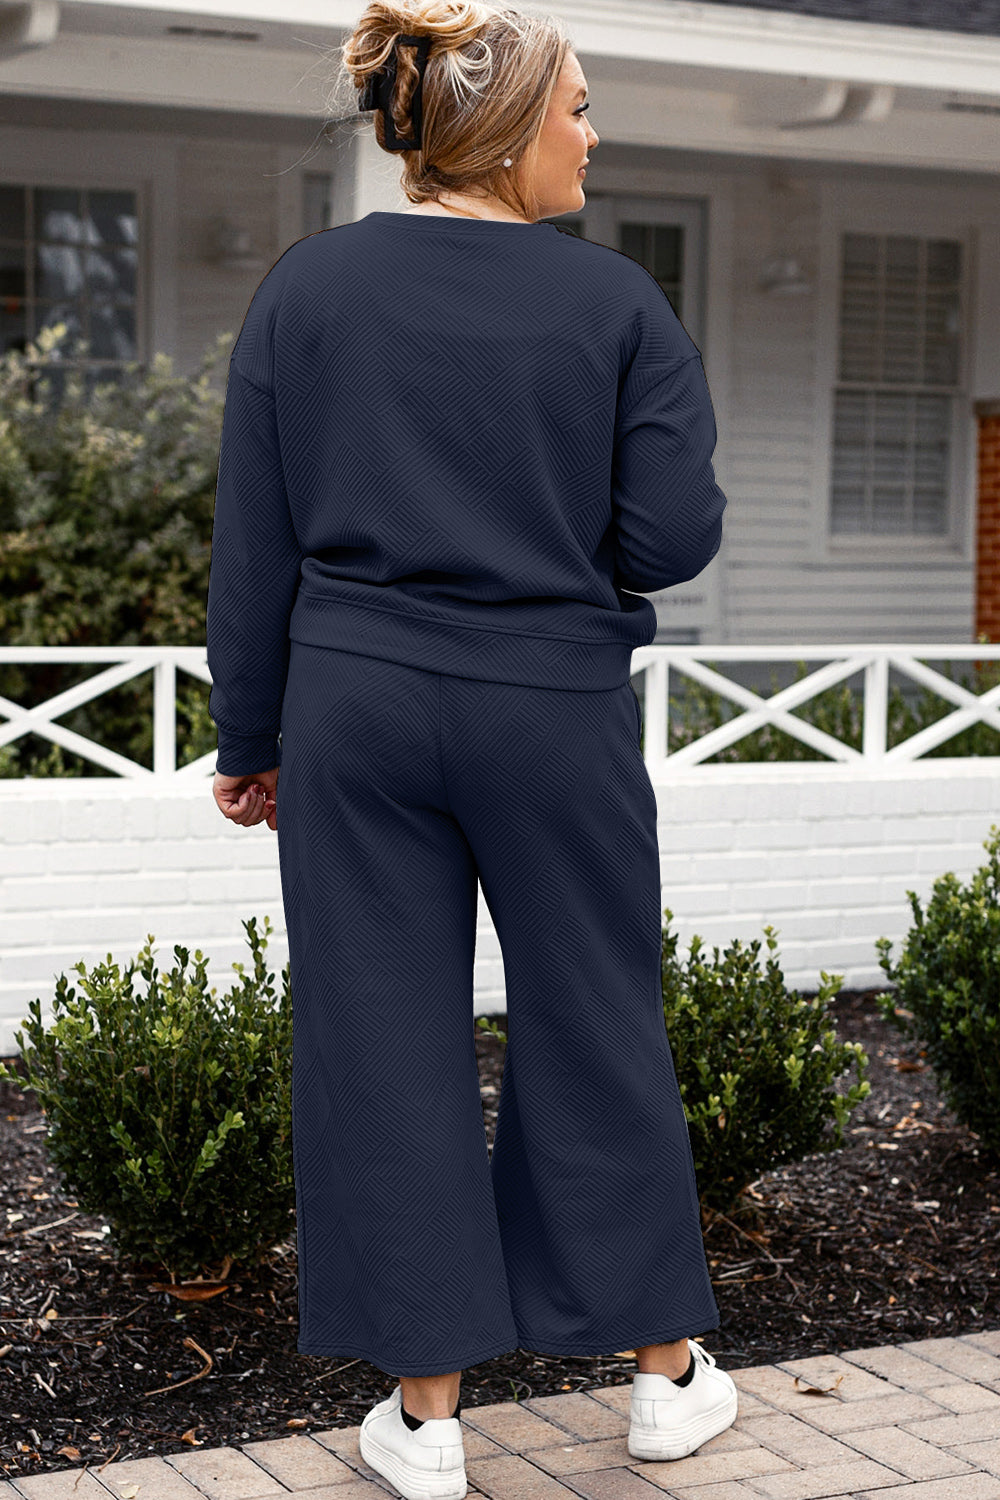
point(785, 578)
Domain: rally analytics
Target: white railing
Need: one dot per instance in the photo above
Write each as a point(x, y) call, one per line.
point(842, 662)
point(653, 663)
point(129, 662)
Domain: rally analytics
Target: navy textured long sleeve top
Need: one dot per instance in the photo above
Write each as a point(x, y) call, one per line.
point(463, 445)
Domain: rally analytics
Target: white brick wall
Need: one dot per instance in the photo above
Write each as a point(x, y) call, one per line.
point(824, 853)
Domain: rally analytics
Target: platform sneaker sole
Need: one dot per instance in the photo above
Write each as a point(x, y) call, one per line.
point(650, 1443)
point(412, 1483)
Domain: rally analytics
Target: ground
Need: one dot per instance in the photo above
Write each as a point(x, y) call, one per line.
point(892, 1237)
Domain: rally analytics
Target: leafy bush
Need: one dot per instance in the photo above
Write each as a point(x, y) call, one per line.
point(169, 1113)
point(756, 1063)
point(948, 980)
point(838, 711)
point(106, 506)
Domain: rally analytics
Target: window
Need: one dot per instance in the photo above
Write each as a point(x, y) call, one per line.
point(317, 202)
point(660, 248)
point(70, 255)
point(897, 385)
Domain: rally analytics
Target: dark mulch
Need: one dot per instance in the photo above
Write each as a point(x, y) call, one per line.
point(893, 1237)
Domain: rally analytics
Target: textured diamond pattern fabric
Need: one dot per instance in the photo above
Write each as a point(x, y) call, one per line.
point(418, 1251)
point(465, 446)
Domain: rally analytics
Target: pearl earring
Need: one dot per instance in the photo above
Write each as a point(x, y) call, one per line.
point(507, 161)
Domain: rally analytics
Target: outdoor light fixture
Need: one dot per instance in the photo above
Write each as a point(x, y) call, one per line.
point(230, 246)
point(781, 273)
point(782, 276)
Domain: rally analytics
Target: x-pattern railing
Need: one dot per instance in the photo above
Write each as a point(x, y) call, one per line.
point(842, 662)
point(655, 663)
point(130, 662)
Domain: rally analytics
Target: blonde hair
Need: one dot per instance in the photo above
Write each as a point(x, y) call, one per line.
point(488, 81)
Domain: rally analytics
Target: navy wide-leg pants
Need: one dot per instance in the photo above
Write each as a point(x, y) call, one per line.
point(418, 1251)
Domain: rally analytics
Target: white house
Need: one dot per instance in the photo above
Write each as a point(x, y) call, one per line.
point(817, 195)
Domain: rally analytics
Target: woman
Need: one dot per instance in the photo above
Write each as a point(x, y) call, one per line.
point(455, 451)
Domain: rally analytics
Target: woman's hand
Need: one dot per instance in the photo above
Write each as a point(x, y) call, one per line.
point(248, 799)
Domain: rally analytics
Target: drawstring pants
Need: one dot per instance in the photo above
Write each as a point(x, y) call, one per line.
point(418, 1250)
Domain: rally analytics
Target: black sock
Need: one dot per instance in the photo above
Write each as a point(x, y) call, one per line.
point(686, 1378)
point(414, 1422)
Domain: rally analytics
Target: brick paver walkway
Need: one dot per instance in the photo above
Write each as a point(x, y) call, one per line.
point(914, 1421)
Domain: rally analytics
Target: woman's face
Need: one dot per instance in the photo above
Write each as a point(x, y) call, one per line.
point(566, 139)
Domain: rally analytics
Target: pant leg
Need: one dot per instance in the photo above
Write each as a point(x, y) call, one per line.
point(399, 1254)
point(592, 1168)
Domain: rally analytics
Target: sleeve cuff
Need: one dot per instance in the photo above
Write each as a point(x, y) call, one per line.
point(247, 754)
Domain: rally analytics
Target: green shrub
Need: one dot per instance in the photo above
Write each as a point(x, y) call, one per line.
point(106, 506)
point(948, 982)
point(169, 1112)
point(756, 1063)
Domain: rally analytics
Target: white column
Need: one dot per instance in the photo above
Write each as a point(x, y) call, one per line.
point(376, 175)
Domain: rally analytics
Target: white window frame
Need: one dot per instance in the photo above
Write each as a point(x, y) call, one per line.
point(891, 209)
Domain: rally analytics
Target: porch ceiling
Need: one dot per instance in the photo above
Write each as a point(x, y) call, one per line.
point(671, 73)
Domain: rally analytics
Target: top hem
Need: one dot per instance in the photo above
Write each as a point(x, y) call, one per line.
point(459, 649)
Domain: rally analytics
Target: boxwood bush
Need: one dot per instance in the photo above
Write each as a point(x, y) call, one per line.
point(946, 990)
point(757, 1064)
point(169, 1109)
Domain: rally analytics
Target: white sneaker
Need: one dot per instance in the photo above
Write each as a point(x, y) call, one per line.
point(671, 1421)
point(426, 1464)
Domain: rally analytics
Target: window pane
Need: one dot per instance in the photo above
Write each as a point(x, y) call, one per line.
point(859, 350)
point(902, 258)
point(660, 248)
point(888, 510)
point(112, 329)
point(932, 428)
point(114, 218)
point(860, 256)
point(110, 271)
point(13, 272)
point(848, 512)
point(58, 271)
point(944, 261)
point(901, 335)
point(850, 462)
point(58, 215)
point(12, 214)
point(891, 466)
point(928, 512)
point(13, 327)
point(943, 318)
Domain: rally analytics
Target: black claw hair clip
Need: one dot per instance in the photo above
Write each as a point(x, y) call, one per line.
point(378, 90)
